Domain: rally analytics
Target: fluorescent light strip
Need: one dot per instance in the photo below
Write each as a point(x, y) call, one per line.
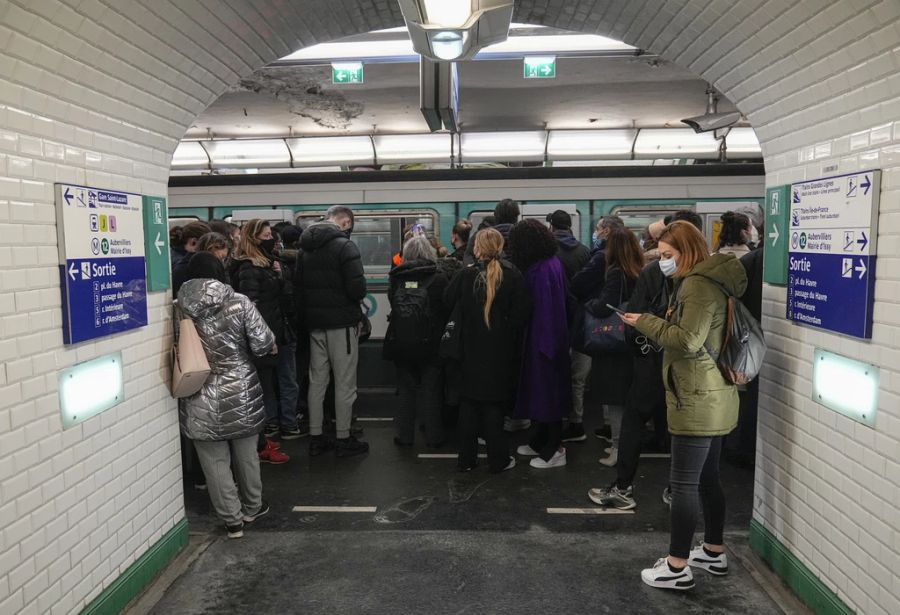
point(319, 151)
point(503, 146)
point(551, 44)
point(243, 153)
point(590, 144)
point(675, 143)
point(395, 149)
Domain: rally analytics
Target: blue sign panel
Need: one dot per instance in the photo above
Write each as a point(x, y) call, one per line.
point(831, 259)
point(102, 265)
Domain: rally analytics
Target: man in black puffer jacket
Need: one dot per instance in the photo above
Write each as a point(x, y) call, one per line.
point(329, 284)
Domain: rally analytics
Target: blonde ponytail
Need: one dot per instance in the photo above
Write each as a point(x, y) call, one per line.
point(493, 278)
point(488, 246)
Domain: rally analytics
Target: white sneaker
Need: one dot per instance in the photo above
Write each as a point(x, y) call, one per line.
point(613, 457)
point(661, 576)
point(557, 461)
point(717, 565)
point(526, 451)
point(511, 464)
point(482, 442)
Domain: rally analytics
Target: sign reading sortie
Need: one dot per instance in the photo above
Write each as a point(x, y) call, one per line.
point(101, 261)
point(831, 265)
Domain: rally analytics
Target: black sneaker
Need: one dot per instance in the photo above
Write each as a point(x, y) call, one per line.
point(356, 429)
point(348, 447)
point(319, 445)
point(604, 433)
point(272, 430)
point(574, 432)
point(292, 433)
point(235, 531)
point(263, 510)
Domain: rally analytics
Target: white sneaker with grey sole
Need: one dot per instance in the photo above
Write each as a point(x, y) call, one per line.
point(526, 451)
point(613, 457)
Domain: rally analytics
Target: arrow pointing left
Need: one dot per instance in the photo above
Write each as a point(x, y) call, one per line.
point(72, 271)
point(159, 244)
point(68, 196)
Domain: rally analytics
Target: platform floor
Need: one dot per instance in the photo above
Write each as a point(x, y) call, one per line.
point(443, 542)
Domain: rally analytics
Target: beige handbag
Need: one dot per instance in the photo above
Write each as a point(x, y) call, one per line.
point(190, 369)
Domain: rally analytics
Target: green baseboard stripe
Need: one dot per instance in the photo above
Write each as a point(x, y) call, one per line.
point(795, 575)
point(140, 573)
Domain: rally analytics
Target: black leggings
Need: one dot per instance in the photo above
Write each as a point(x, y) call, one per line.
point(695, 467)
point(485, 418)
point(547, 439)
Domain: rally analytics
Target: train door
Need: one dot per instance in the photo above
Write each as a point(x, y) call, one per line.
point(711, 213)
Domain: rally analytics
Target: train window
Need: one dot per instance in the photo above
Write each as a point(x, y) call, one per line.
point(533, 211)
point(637, 219)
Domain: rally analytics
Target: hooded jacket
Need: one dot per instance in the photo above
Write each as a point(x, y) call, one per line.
point(571, 253)
point(267, 289)
point(504, 228)
point(699, 400)
point(329, 281)
point(232, 331)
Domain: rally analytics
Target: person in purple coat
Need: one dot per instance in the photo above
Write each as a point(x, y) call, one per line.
point(545, 382)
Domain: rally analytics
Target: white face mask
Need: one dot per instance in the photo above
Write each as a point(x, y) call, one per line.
point(668, 266)
point(754, 236)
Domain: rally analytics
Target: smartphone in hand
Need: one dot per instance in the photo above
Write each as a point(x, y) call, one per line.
point(615, 309)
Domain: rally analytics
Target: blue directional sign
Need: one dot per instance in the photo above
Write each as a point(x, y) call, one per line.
point(832, 252)
point(101, 266)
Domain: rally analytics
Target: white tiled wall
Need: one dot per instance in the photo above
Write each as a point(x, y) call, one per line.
point(99, 92)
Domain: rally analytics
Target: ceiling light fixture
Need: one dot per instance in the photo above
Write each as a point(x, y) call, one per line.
point(450, 30)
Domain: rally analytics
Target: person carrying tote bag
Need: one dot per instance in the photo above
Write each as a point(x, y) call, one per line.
point(624, 262)
point(190, 369)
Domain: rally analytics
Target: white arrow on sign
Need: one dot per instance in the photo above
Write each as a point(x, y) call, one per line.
point(72, 271)
point(774, 234)
point(159, 244)
point(861, 268)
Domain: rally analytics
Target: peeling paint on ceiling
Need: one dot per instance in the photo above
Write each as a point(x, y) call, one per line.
point(300, 88)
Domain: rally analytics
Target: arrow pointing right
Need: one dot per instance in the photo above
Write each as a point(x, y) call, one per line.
point(866, 184)
point(863, 242)
point(159, 244)
point(861, 268)
point(72, 271)
point(774, 234)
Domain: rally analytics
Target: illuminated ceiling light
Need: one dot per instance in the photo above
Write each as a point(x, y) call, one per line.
point(519, 146)
point(410, 149)
point(743, 142)
point(590, 144)
point(447, 30)
point(675, 143)
point(252, 153)
point(324, 151)
point(190, 155)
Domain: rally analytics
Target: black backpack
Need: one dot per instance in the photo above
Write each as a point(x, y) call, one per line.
point(410, 330)
point(743, 348)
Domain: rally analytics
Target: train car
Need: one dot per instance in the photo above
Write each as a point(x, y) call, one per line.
point(384, 203)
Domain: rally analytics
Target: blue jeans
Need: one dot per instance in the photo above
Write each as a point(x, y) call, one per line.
point(288, 389)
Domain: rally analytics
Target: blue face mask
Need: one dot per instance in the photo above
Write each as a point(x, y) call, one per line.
point(596, 240)
point(668, 266)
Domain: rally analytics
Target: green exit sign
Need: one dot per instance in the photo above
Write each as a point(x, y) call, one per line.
point(347, 72)
point(543, 67)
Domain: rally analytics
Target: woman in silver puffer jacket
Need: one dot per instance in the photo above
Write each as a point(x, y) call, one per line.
point(226, 416)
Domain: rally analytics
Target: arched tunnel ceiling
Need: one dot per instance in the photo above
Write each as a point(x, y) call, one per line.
point(588, 92)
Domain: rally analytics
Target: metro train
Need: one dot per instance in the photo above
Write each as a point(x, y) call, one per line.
point(385, 202)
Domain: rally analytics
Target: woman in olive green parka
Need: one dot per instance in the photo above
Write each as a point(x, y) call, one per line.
point(702, 405)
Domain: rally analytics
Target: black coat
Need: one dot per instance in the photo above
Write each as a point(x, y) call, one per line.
point(651, 294)
point(180, 260)
point(490, 357)
point(752, 299)
point(612, 372)
point(265, 287)
point(504, 229)
point(423, 273)
point(329, 281)
point(587, 283)
point(571, 253)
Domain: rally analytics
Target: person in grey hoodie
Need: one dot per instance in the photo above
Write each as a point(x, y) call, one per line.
point(226, 416)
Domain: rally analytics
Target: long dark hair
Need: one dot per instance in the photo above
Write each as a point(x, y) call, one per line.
point(734, 230)
point(530, 242)
point(624, 251)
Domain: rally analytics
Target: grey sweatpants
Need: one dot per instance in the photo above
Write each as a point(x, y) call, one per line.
point(581, 371)
point(332, 351)
point(217, 459)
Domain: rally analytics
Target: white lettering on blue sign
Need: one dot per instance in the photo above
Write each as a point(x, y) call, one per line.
point(102, 266)
point(831, 262)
